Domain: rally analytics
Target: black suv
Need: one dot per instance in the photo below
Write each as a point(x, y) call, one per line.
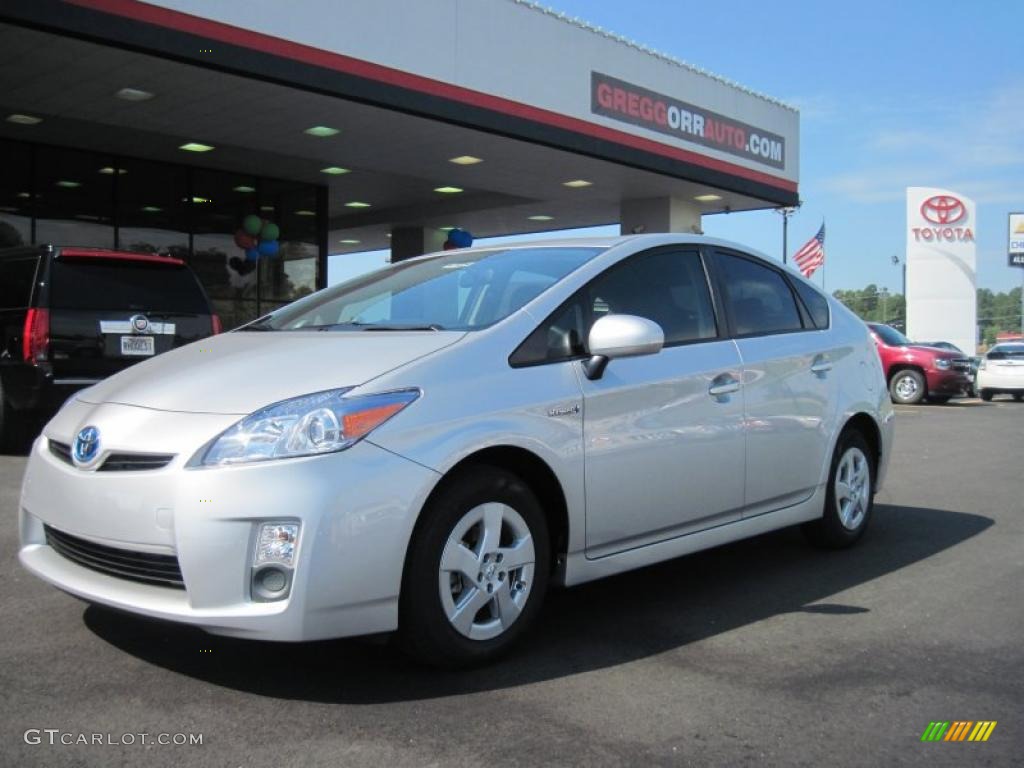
point(70, 317)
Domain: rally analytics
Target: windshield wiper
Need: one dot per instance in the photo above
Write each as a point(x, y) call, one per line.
point(398, 326)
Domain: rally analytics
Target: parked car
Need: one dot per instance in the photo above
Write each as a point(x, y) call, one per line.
point(70, 317)
point(915, 372)
point(1002, 372)
point(425, 449)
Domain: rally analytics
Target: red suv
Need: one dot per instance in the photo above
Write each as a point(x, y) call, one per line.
point(915, 371)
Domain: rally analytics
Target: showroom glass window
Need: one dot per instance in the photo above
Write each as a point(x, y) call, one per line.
point(74, 202)
point(152, 208)
point(668, 286)
point(15, 195)
point(758, 297)
point(292, 273)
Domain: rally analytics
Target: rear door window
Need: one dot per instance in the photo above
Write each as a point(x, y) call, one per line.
point(758, 297)
point(16, 278)
point(95, 284)
point(817, 305)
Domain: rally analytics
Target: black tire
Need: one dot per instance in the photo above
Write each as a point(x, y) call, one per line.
point(424, 630)
point(986, 395)
point(914, 390)
point(939, 399)
point(10, 425)
point(829, 531)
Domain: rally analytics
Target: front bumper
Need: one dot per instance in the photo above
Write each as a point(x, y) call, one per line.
point(357, 510)
point(947, 382)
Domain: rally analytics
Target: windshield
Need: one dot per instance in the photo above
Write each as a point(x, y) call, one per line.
point(1006, 351)
point(457, 290)
point(890, 336)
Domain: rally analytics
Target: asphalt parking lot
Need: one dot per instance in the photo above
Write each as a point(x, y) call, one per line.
point(763, 652)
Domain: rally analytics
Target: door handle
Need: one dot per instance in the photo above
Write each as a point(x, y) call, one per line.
point(821, 364)
point(725, 384)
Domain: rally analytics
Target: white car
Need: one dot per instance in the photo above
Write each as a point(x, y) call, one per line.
point(426, 449)
point(1001, 372)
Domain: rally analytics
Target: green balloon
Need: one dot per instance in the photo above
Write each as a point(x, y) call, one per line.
point(252, 224)
point(270, 231)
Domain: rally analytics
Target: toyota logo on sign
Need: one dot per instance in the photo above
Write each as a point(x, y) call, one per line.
point(943, 209)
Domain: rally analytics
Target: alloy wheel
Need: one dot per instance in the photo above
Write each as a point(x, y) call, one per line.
point(852, 490)
point(486, 571)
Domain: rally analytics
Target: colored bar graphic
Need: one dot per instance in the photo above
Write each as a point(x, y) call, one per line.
point(959, 730)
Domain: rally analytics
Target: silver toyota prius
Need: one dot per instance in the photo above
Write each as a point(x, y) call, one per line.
point(426, 449)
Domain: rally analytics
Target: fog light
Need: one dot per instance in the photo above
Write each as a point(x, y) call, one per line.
point(276, 543)
point(271, 583)
point(272, 579)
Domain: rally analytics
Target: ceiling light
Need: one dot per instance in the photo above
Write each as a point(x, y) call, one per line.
point(446, 229)
point(244, 188)
point(134, 94)
point(387, 235)
point(151, 209)
point(707, 198)
point(305, 213)
point(448, 190)
point(201, 200)
point(321, 131)
point(24, 194)
point(24, 119)
point(466, 160)
point(540, 217)
point(266, 207)
point(348, 241)
point(68, 184)
point(334, 170)
point(195, 146)
point(357, 204)
point(108, 171)
point(577, 183)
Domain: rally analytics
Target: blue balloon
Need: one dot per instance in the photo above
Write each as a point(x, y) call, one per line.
point(252, 254)
point(460, 238)
point(268, 247)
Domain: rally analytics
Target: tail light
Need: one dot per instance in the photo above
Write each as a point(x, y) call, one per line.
point(217, 327)
point(35, 337)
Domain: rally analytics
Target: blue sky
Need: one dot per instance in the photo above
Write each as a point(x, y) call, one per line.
point(891, 94)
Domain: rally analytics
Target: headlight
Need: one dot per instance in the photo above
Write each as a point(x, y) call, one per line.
point(322, 422)
point(981, 364)
point(942, 364)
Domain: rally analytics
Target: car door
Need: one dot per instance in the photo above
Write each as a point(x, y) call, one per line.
point(663, 435)
point(788, 382)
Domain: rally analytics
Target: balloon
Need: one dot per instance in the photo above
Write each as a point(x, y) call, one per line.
point(252, 254)
point(270, 231)
point(460, 238)
point(244, 241)
point(268, 247)
point(252, 224)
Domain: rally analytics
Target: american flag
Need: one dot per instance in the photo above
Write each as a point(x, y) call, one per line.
point(812, 254)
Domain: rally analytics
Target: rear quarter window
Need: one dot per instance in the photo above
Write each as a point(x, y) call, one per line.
point(95, 284)
point(816, 304)
point(16, 278)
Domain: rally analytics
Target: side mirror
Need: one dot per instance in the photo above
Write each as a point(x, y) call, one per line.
point(621, 336)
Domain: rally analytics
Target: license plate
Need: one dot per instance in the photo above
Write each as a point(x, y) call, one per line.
point(137, 345)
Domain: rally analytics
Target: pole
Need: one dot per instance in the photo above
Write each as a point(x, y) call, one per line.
point(785, 227)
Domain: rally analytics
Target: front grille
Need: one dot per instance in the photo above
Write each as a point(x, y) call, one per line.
point(117, 462)
point(145, 567)
point(135, 462)
point(962, 364)
point(61, 450)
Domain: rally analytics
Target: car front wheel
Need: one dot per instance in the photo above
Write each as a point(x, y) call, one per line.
point(850, 498)
point(477, 570)
point(907, 387)
point(986, 395)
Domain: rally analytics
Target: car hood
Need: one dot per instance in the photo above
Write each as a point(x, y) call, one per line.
point(937, 351)
point(238, 373)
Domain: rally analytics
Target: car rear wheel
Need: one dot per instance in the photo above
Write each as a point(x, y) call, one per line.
point(10, 424)
point(850, 498)
point(907, 387)
point(477, 570)
point(986, 395)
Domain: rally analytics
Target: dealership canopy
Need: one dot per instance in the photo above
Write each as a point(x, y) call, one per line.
point(494, 116)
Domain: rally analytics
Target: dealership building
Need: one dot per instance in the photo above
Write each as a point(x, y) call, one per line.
point(354, 126)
